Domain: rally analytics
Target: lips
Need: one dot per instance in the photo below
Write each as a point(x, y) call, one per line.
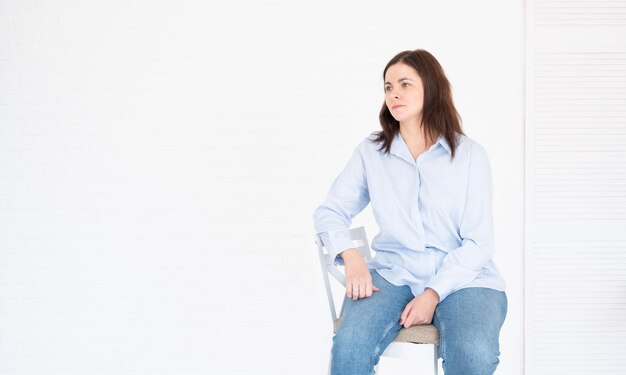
point(397, 106)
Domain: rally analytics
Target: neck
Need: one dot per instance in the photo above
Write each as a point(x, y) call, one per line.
point(415, 138)
point(414, 133)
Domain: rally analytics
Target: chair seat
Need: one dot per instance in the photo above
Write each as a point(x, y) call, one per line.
point(420, 334)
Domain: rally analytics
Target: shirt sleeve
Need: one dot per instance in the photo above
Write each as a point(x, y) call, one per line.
point(347, 197)
point(463, 264)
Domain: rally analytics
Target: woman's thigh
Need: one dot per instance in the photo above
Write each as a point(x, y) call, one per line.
point(469, 322)
point(369, 324)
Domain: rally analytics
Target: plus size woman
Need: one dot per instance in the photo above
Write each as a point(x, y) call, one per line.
point(430, 190)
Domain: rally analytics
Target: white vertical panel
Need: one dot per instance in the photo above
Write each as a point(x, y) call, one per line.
point(575, 284)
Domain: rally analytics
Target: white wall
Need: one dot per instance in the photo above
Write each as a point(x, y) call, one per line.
point(160, 163)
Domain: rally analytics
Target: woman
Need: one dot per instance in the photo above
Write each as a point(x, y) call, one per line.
point(430, 190)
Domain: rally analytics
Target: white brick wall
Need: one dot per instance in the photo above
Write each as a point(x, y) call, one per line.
point(160, 163)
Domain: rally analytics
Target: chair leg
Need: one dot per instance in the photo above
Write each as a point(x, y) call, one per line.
point(330, 362)
point(436, 358)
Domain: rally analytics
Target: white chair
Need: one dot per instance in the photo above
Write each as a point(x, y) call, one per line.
point(405, 343)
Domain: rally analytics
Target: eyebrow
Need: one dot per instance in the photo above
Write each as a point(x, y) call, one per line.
point(400, 80)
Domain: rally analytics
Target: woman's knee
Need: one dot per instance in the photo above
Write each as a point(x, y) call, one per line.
point(470, 357)
point(351, 353)
point(351, 344)
point(470, 330)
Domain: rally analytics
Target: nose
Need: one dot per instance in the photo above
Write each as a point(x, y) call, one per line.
point(394, 93)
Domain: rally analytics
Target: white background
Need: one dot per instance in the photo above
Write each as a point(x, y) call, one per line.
point(160, 162)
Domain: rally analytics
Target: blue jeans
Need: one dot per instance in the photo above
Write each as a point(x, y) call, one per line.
point(469, 322)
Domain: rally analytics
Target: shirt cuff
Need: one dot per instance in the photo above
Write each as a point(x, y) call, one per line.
point(337, 241)
point(440, 285)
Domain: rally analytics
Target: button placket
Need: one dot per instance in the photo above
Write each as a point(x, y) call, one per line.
point(417, 214)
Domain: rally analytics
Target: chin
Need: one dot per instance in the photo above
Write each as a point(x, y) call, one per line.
point(399, 118)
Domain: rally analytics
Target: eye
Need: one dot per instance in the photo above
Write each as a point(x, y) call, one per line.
point(387, 88)
point(405, 84)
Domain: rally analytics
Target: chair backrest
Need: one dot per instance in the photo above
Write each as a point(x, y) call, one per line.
point(359, 238)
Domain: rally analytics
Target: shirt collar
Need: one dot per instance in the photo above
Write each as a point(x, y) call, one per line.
point(400, 149)
point(444, 143)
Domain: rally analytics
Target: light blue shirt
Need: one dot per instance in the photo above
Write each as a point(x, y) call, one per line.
point(434, 214)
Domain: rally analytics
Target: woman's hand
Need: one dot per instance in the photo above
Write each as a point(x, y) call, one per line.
point(358, 277)
point(421, 309)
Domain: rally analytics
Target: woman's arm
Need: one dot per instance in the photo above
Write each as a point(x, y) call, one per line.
point(347, 197)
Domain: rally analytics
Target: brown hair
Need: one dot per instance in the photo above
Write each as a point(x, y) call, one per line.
point(439, 115)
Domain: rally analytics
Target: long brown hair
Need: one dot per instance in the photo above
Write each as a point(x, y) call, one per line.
point(439, 116)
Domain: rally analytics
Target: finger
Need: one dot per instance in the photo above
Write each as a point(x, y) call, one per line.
point(355, 291)
point(349, 289)
point(362, 290)
point(405, 313)
point(374, 288)
point(368, 290)
point(409, 321)
point(418, 317)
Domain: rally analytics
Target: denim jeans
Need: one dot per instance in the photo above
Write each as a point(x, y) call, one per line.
point(469, 322)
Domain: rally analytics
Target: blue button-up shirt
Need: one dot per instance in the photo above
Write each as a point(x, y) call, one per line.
point(434, 214)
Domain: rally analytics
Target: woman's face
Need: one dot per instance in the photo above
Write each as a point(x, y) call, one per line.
point(404, 93)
